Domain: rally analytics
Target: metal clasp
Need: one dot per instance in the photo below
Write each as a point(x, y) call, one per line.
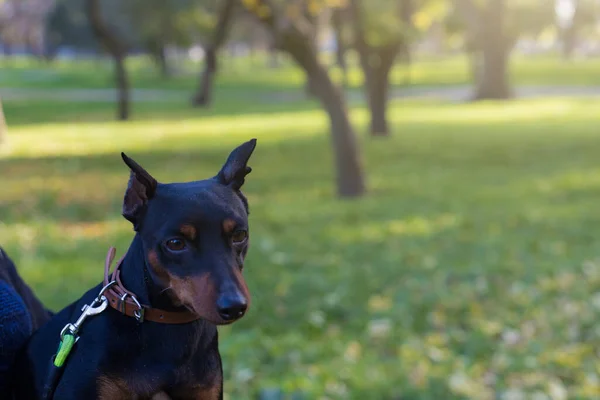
point(98, 305)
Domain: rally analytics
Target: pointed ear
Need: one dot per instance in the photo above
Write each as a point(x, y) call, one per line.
point(235, 169)
point(140, 189)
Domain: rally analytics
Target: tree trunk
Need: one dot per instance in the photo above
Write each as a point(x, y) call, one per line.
point(377, 92)
point(377, 71)
point(117, 50)
point(493, 82)
point(203, 96)
point(349, 174)
point(495, 52)
point(163, 63)
point(296, 41)
point(376, 63)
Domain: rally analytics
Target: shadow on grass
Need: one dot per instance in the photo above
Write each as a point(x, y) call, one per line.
point(26, 112)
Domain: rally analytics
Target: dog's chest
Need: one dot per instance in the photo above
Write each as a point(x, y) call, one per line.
point(182, 364)
point(192, 381)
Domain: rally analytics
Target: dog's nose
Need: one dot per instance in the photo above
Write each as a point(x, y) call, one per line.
point(231, 308)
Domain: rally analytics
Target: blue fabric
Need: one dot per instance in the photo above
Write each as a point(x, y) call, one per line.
point(15, 329)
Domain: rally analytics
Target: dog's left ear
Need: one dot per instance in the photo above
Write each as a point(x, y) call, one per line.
point(140, 189)
point(235, 169)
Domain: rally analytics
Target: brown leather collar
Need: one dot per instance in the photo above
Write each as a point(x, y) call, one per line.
point(126, 303)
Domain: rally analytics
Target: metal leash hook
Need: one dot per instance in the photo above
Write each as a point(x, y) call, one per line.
point(88, 310)
point(98, 305)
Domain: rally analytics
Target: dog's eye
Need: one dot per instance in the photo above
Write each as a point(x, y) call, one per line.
point(175, 244)
point(239, 236)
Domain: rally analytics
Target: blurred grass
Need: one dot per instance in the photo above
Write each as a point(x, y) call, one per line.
point(471, 269)
point(241, 74)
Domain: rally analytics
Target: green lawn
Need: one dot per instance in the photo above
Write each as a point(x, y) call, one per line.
point(240, 75)
point(471, 269)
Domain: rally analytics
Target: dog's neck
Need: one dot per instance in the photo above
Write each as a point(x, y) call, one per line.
point(137, 278)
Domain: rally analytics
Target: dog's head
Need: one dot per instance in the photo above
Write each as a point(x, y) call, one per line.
point(195, 236)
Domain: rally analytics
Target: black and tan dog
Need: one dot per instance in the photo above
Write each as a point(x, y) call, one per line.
point(184, 268)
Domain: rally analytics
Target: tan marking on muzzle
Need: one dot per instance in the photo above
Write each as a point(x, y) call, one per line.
point(157, 268)
point(198, 293)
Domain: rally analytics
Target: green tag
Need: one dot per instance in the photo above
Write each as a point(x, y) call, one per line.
point(64, 349)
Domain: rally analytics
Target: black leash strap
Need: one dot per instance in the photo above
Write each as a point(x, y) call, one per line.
point(54, 375)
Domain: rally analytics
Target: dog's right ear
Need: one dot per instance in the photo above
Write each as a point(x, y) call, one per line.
point(140, 189)
point(235, 169)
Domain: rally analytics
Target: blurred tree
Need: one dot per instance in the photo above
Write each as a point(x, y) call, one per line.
point(492, 29)
point(158, 24)
point(183, 23)
point(248, 35)
point(203, 95)
point(568, 15)
point(572, 17)
point(116, 48)
point(293, 34)
point(381, 31)
point(149, 25)
point(67, 25)
point(154, 23)
point(490, 40)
